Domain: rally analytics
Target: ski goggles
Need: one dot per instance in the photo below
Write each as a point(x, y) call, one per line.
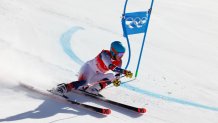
point(119, 55)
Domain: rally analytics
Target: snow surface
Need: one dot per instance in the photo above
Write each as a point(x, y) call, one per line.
point(44, 42)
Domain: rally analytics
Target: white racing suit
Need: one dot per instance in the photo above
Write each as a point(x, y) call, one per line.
point(96, 70)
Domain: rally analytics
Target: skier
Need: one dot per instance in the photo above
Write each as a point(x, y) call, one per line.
point(93, 76)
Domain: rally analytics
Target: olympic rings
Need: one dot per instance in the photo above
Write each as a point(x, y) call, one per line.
point(136, 22)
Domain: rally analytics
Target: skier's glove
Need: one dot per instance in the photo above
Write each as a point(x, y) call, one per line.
point(128, 74)
point(116, 82)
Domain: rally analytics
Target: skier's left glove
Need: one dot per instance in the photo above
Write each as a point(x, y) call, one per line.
point(116, 82)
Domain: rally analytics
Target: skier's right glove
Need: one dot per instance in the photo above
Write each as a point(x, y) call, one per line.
point(116, 82)
point(128, 74)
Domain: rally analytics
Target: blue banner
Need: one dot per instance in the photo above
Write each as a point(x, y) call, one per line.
point(135, 23)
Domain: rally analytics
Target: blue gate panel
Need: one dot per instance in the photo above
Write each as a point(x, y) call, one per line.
point(134, 23)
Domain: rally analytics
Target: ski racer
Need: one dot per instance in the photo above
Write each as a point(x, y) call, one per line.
point(93, 75)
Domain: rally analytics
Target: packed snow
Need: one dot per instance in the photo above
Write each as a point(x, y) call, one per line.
point(45, 42)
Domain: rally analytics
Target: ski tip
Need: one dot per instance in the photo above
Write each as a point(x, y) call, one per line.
point(142, 110)
point(106, 111)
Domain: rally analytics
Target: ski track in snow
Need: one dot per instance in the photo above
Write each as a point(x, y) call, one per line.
point(65, 41)
point(66, 44)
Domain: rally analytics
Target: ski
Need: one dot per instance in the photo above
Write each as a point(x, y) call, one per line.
point(102, 98)
point(93, 108)
point(66, 100)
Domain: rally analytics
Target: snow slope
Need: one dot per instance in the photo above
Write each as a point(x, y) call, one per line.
point(44, 42)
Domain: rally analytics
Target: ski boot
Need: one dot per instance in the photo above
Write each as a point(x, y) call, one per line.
point(60, 90)
point(95, 89)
